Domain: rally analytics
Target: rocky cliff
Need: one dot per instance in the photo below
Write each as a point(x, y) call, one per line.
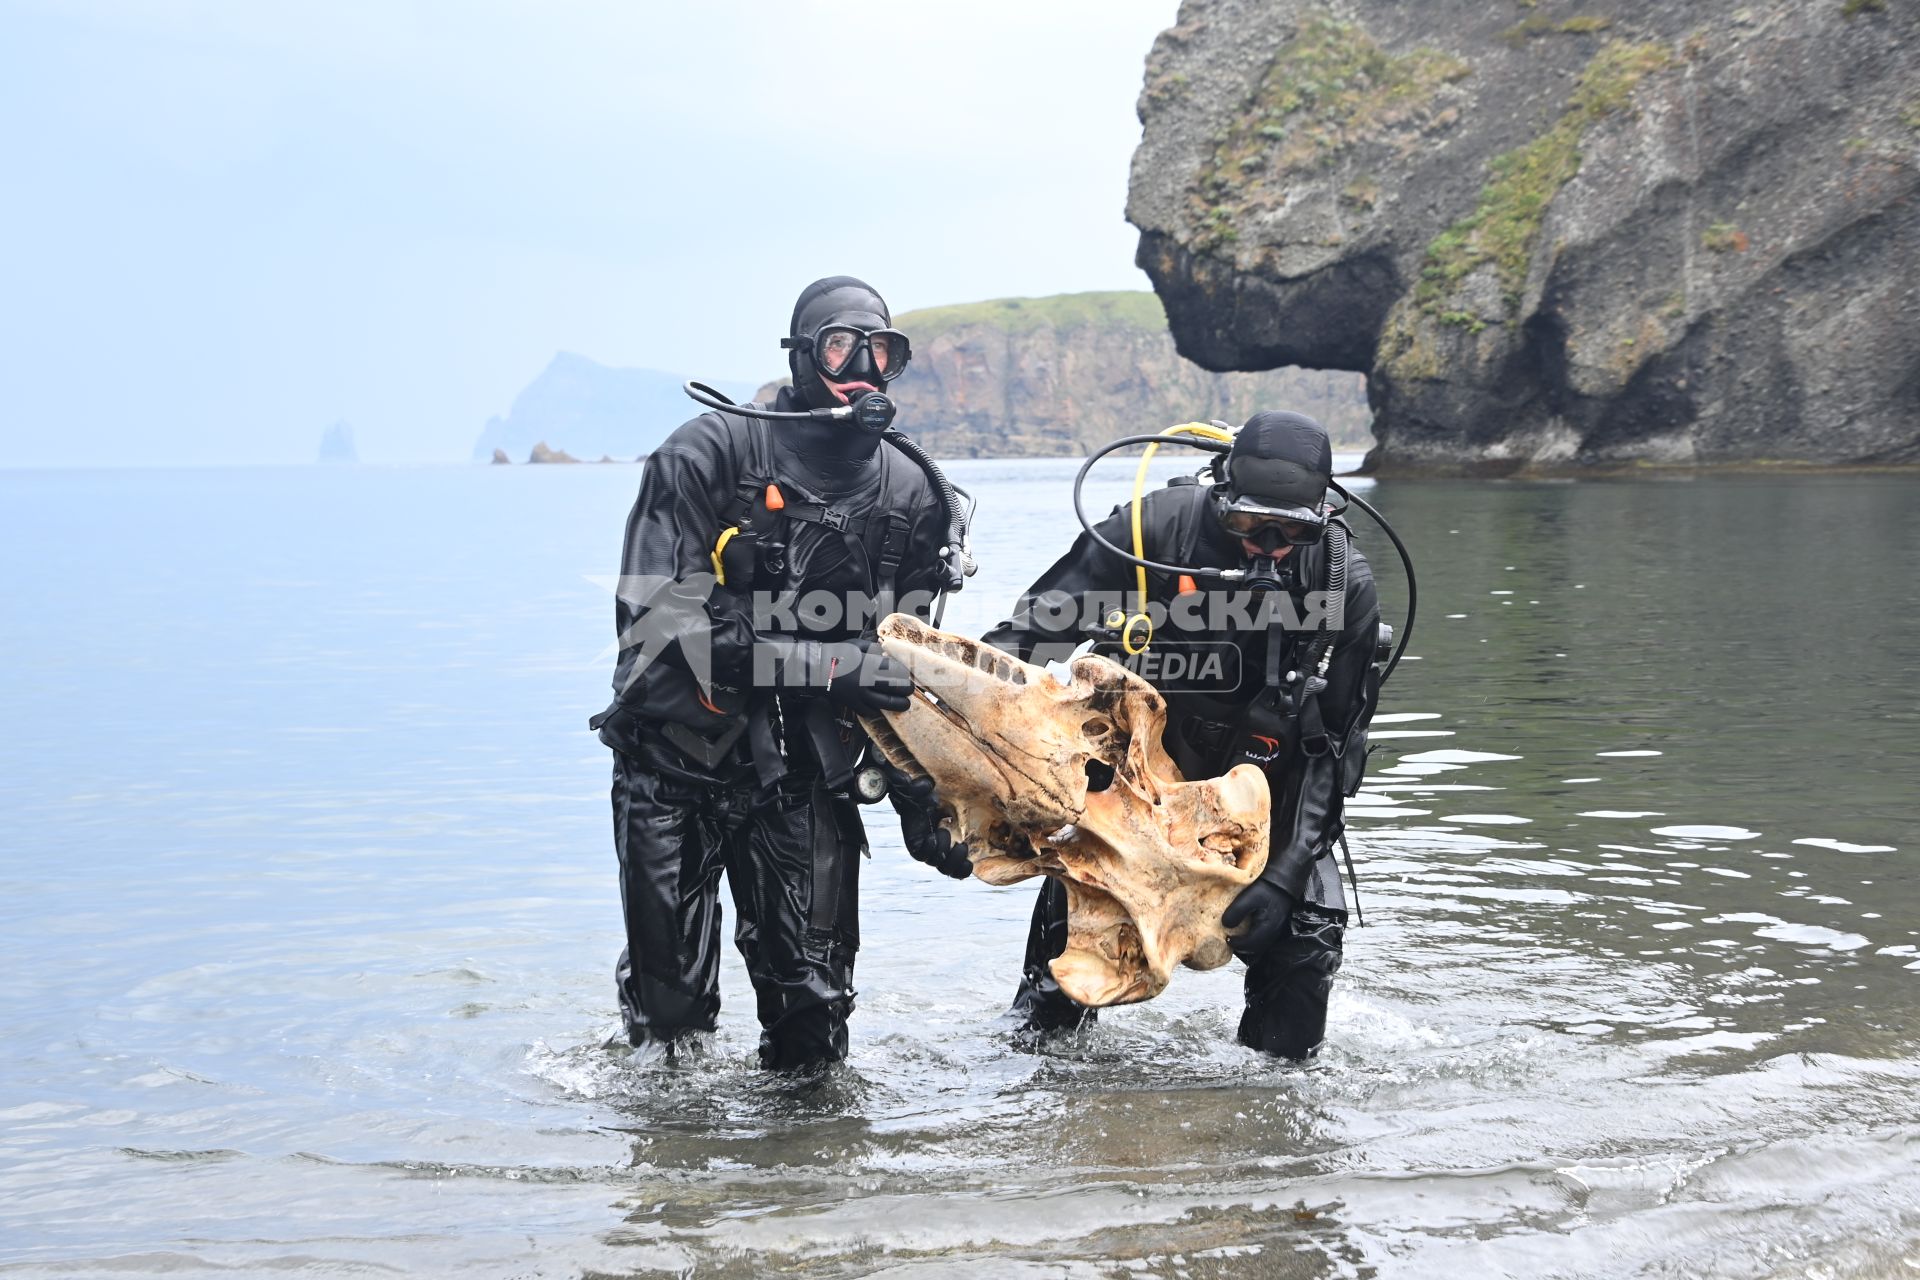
point(1552, 233)
point(1051, 377)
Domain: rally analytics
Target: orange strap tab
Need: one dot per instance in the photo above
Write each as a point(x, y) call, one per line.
point(776, 501)
point(1187, 585)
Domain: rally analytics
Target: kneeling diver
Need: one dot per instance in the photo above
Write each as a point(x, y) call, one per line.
point(1295, 698)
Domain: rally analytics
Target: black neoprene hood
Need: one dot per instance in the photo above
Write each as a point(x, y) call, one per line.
point(1282, 459)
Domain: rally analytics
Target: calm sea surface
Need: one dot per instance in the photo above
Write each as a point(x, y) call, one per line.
point(308, 918)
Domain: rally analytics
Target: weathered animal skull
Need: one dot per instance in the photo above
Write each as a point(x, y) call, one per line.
point(1149, 861)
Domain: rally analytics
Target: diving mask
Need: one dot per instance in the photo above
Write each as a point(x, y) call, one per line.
point(837, 349)
point(1268, 526)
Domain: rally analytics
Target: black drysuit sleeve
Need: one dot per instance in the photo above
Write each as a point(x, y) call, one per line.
point(1307, 810)
point(666, 564)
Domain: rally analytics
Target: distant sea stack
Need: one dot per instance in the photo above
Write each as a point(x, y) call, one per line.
point(590, 410)
point(1552, 234)
point(540, 453)
point(336, 444)
point(1055, 376)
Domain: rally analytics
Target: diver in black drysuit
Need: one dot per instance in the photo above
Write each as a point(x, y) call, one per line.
point(1312, 745)
point(734, 735)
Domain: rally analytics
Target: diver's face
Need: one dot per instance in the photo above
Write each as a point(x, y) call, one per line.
point(1278, 553)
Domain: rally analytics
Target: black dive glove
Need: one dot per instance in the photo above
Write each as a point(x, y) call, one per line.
point(1264, 908)
point(926, 840)
point(870, 682)
point(853, 674)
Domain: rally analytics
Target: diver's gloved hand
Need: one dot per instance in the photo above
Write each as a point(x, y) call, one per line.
point(858, 677)
point(926, 840)
point(1264, 908)
point(866, 681)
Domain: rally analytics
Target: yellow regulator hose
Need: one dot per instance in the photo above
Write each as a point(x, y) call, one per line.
point(1140, 618)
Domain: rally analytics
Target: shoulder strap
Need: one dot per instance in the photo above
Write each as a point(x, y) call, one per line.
point(1190, 529)
point(887, 540)
point(756, 473)
point(1185, 531)
point(893, 550)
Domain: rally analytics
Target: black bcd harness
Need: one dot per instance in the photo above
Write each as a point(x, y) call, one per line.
point(757, 515)
point(759, 509)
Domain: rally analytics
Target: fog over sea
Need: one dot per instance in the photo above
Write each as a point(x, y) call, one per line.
point(308, 917)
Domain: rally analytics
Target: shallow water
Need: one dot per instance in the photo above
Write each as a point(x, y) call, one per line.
point(307, 914)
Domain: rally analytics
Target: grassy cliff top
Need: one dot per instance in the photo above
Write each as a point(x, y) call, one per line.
point(1119, 310)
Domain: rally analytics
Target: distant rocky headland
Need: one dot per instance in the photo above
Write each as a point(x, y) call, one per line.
point(1552, 234)
point(1056, 376)
point(586, 409)
point(1010, 378)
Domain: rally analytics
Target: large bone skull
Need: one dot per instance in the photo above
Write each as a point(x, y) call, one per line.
point(1149, 861)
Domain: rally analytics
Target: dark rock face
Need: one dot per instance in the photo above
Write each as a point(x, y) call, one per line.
point(1055, 376)
point(1552, 234)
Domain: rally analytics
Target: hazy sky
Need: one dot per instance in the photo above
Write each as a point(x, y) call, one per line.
point(228, 224)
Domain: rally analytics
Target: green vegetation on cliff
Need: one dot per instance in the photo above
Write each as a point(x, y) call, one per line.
point(1329, 87)
point(1538, 25)
point(1129, 309)
point(1503, 225)
point(1055, 376)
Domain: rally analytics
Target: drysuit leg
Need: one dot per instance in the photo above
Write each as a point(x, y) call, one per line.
point(1288, 987)
point(1040, 1004)
point(670, 859)
point(794, 868)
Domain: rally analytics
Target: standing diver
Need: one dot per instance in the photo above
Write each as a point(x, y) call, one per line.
point(764, 542)
point(1293, 694)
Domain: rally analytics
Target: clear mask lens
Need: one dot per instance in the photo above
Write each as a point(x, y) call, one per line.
point(1267, 526)
point(836, 350)
point(833, 350)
